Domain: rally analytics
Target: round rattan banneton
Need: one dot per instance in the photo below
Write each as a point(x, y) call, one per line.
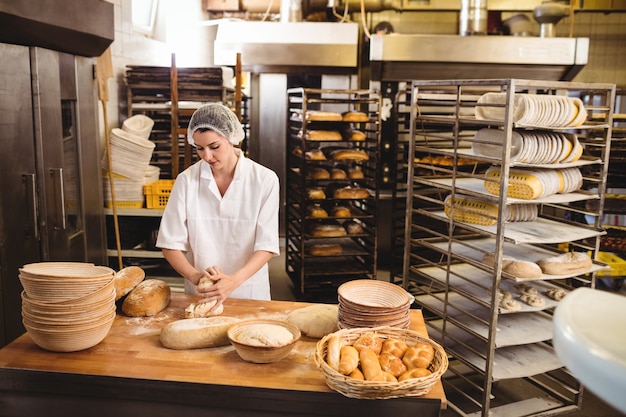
point(354, 388)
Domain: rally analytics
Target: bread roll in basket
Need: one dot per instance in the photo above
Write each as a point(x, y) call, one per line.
point(360, 389)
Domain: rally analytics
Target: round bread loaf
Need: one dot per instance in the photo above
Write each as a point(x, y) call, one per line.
point(325, 249)
point(356, 173)
point(568, 263)
point(148, 298)
point(351, 193)
point(315, 193)
point(126, 279)
point(317, 212)
point(341, 211)
point(317, 173)
point(352, 227)
point(338, 174)
point(197, 333)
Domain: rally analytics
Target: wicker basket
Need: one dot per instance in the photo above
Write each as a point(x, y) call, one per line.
point(371, 390)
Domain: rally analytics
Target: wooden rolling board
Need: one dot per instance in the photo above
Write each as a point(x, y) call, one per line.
point(132, 350)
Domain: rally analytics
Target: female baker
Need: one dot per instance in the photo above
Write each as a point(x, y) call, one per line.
point(221, 219)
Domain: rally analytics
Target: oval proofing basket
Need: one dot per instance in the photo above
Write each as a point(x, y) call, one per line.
point(359, 389)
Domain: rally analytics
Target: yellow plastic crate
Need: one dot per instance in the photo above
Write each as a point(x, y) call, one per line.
point(157, 193)
point(617, 264)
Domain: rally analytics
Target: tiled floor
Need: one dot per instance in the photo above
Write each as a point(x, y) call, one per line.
point(283, 289)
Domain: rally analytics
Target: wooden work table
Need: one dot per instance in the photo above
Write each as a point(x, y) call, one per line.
point(131, 373)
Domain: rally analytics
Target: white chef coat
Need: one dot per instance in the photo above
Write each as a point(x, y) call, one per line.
point(224, 231)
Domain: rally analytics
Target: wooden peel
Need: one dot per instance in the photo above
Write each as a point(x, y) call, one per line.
point(104, 71)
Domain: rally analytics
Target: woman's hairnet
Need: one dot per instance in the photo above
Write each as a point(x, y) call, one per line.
point(218, 118)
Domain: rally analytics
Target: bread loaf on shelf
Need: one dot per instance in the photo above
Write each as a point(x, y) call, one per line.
point(356, 135)
point(341, 211)
point(315, 193)
point(352, 227)
point(356, 173)
point(350, 154)
point(517, 268)
point(328, 230)
point(323, 116)
point(322, 135)
point(351, 193)
point(325, 249)
point(148, 298)
point(338, 174)
point(568, 263)
point(317, 212)
point(355, 117)
point(315, 155)
point(318, 173)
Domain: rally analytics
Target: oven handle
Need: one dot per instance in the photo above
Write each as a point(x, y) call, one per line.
point(57, 175)
point(31, 201)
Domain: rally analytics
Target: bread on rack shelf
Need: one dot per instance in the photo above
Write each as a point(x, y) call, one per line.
point(350, 154)
point(321, 135)
point(338, 174)
point(353, 227)
point(323, 116)
point(355, 117)
point(325, 249)
point(351, 193)
point(315, 193)
point(317, 173)
point(314, 155)
point(328, 230)
point(316, 212)
point(516, 267)
point(355, 135)
point(356, 173)
point(568, 263)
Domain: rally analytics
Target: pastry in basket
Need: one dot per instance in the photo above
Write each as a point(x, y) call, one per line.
point(392, 364)
point(418, 356)
point(369, 341)
point(394, 347)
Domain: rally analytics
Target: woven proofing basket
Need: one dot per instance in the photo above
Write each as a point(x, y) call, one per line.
point(373, 390)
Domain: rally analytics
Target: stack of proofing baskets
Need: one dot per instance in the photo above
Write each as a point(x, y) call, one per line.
point(131, 152)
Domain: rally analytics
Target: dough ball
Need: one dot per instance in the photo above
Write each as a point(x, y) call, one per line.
point(316, 320)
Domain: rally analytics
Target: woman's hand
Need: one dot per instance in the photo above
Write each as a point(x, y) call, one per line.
point(222, 286)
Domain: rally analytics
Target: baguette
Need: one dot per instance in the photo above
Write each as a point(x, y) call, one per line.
point(392, 364)
point(148, 298)
point(126, 279)
point(197, 333)
point(348, 360)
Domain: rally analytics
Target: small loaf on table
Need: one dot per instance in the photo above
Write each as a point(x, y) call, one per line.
point(197, 333)
point(148, 298)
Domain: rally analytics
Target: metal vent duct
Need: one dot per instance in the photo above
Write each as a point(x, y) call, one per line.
point(398, 57)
